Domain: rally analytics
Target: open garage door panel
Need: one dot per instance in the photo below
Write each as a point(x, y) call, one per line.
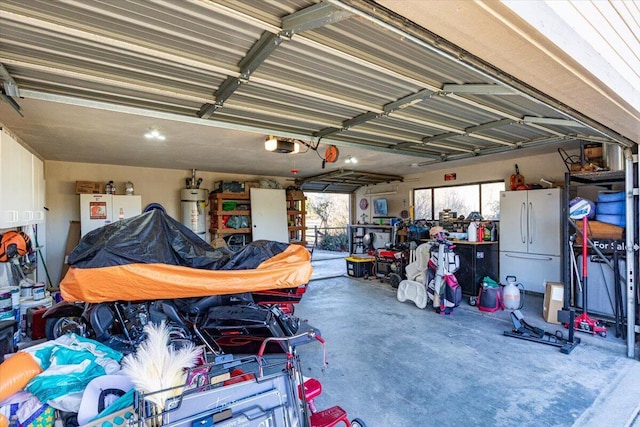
point(340, 72)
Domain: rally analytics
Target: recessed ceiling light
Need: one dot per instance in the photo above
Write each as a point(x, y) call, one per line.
point(351, 159)
point(154, 134)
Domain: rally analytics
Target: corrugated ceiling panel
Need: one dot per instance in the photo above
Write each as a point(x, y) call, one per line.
point(310, 68)
point(362, 39)
point(442, 109)
point(514, 132)
point(174, 56)
point(395, 130)
point(178, 27)
point(270, 11)
point(99, 92)
point(290, 103)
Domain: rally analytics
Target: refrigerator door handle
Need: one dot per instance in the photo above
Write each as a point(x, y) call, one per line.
point(530, 223)
point(525, 256)
point(523, 238)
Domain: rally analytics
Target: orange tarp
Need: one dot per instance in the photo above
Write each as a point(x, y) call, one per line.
point(132, 282)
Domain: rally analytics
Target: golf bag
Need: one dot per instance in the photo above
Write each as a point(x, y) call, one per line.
point(443, 288)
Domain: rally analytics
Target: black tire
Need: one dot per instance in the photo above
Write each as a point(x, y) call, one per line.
point(56, 327)
point(473, 301)
point(394, 280)
point(357, 422)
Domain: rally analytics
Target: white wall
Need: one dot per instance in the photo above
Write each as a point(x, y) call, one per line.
point(163, 186)
point(547, 166)
point(154, 185)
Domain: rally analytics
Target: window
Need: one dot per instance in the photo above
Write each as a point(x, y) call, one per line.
point(423, 203)
point(461, 199)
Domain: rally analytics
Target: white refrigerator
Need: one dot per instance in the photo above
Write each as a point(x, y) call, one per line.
point(98, 210)
point(531, 237)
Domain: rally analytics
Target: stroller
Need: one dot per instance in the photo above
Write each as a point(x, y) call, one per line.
point(430, 277)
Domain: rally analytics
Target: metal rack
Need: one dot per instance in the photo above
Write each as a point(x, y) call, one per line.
point(630, 178)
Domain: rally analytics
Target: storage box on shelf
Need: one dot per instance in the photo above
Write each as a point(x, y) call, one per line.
point(89, 187)
point(296, 217)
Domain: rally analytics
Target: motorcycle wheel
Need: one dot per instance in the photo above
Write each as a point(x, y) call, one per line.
point(59, 326)
point(357, 422)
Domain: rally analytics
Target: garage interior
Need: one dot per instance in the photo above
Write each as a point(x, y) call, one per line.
point(413, 90)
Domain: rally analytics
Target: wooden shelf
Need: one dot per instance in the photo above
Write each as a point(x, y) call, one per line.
point(230, 196)
point(217, 214)
point(296, 215)
point(223, 212)
point(230, 230)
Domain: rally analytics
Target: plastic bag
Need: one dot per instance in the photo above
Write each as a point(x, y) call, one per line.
point(238, 221)
point(489, 282)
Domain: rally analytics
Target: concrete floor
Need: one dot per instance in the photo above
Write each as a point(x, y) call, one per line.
point(392, 364)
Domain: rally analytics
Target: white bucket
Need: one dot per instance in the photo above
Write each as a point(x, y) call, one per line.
point(38, 291)
point(26, 304)
point(26, 288)
point(15, 297)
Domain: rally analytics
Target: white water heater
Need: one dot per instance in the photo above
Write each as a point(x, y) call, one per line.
point(193, 212)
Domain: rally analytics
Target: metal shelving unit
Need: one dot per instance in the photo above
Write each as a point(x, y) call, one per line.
point(630, 178)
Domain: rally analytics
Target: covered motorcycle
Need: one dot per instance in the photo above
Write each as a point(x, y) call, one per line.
point(151, 268)
point(153, 256)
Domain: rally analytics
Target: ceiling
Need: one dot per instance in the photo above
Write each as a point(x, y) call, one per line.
point(90, 78)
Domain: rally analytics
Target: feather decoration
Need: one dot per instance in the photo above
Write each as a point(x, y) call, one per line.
point(156, 367)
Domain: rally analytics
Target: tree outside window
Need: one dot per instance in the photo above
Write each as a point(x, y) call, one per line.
point(461, 199)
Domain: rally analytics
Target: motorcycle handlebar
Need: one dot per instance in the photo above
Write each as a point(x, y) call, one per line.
point(312, 334)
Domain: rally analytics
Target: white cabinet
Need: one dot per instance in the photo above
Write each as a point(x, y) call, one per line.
point(98, 210)
point(38, 192)
point(9, 155)
point(21, 184)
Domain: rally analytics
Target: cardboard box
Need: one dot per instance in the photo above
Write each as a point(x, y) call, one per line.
point(553, 301)
point(295, 195)
point(593, 151)
point(89, 187)
point(73, 238)
point(251, 184)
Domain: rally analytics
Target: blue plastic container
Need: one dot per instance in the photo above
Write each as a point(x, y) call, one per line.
point(610, 196)
point(619, 220)
point(610, 208)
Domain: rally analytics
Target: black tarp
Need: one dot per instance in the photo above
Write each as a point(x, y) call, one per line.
point(155, 237)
